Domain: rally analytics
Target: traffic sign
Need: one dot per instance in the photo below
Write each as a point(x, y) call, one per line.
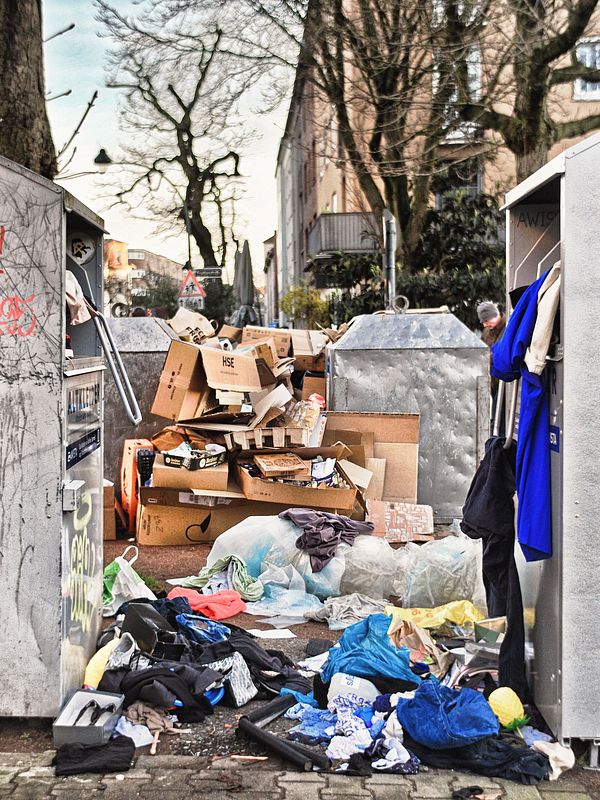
point(190, 286)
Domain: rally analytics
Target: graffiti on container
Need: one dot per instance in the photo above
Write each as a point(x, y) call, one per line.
point(2, 234)
point(16, 316)
point(82, 567)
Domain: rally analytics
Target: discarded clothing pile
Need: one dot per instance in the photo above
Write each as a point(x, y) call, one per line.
point(323, 532)
point(230, 573)
point(381, 709)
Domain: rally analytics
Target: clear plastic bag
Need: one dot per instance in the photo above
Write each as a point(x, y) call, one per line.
point(370, 568)
point(441, 571)
point(271, 541)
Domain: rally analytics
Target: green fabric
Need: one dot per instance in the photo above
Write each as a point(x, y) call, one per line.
point(248, 588)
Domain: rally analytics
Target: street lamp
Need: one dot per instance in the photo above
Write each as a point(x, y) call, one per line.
point(102, 161)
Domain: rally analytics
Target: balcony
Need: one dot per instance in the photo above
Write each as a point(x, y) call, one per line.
point(348, 233)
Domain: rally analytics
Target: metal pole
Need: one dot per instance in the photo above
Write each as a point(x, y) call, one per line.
point(389, 228)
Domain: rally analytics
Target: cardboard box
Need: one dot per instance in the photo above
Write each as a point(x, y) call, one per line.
point(129, 477)
point(267, 406)
point(240, 372)
point(231, 333)
point(401, 522)
point(216, 478)
point(396, 439)
point(191, 326)
point(281, 337)
point(64, 729)
point(313, 384)
point(180, 520)
point(261, 348)
point(342, 499)
point(183, 392)
point(172, 436)
point(309, 350)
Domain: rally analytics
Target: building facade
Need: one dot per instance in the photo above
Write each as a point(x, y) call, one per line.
point(321, 208)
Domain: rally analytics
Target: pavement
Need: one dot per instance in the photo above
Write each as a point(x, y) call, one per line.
point(30, 777)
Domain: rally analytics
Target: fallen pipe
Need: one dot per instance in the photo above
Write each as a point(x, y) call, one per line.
point(252, 725)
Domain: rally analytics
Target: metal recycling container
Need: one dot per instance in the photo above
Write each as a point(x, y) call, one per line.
point(422, 363)
point(51, 416)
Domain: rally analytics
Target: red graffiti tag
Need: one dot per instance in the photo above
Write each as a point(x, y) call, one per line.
point(2, 233)
point(16, 318)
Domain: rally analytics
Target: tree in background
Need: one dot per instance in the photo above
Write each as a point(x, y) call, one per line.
point(532, 52)
point(25, 135)
point(180, 120)
point(161, 295)
point(304, 307)
point(218, 303)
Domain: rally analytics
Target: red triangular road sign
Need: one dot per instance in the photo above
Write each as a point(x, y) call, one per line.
point(190, 286)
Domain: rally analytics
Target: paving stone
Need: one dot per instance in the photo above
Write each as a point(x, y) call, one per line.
point(7, 774)
point(309, 790)
point(171, 762)
point(398, 791)
point(131, 775)
point(385, 778)
point(562, 785)
point(582, 795)
point(301, 777)
point(16, 760)
point(253, 781)
point(434, 784)
point(516, 791)
point(37, 774)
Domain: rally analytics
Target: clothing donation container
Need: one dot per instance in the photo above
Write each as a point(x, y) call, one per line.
point(425, 363)
point(554, 216)
point(51, 417)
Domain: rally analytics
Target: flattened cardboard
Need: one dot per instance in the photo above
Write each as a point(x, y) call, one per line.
point(212, 478)
point(187, 323)
point(313, 385)
point(183, 392)
point(261, 348)
point(268, 400)
point(282, 338)
point(377, 467)
point(229, 332)
point(401, 522)
point(396, 439)
point(359, 476)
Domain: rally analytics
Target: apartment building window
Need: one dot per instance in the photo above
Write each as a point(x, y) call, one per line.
point(588, 53)
point(457, 176)
point(334, 203)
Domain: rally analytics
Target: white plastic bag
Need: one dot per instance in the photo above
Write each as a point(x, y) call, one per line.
point(122, 583)
point(370, 568)
point(441, 571)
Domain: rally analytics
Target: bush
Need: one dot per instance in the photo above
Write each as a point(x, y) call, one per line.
point(303, 305)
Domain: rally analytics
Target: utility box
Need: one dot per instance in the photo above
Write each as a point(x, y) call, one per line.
point(51, 416)
point(420, 363)
point(555, 215)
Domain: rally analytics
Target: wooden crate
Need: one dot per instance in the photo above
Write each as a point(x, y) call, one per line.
point(268, 437)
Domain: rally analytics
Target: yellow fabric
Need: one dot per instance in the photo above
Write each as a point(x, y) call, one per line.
point(460, 612)
point(506, 706)
point(97, 664)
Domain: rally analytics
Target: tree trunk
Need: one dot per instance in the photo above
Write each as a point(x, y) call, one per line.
point(530, 161)
point(25, 135)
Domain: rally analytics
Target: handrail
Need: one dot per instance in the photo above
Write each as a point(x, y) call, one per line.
point(512, 415)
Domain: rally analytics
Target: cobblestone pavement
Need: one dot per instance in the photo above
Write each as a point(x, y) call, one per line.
point(30, 777)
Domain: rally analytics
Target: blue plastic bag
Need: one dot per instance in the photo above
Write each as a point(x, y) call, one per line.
point(201, 629)
point(441, 718)
point(365, 650)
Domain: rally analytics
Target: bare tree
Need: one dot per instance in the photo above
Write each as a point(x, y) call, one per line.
point(180, 160)
point(25, 135)
point(532, 57)
point(383, 69)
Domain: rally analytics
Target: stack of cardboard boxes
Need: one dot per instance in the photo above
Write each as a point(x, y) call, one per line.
point(258, 393)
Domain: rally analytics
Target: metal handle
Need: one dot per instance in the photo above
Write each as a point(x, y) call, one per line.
point(499, 408)
point(512, 415)
point(111, 351)
point(119, 373)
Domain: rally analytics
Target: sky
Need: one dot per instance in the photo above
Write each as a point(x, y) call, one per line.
point(75, 61)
